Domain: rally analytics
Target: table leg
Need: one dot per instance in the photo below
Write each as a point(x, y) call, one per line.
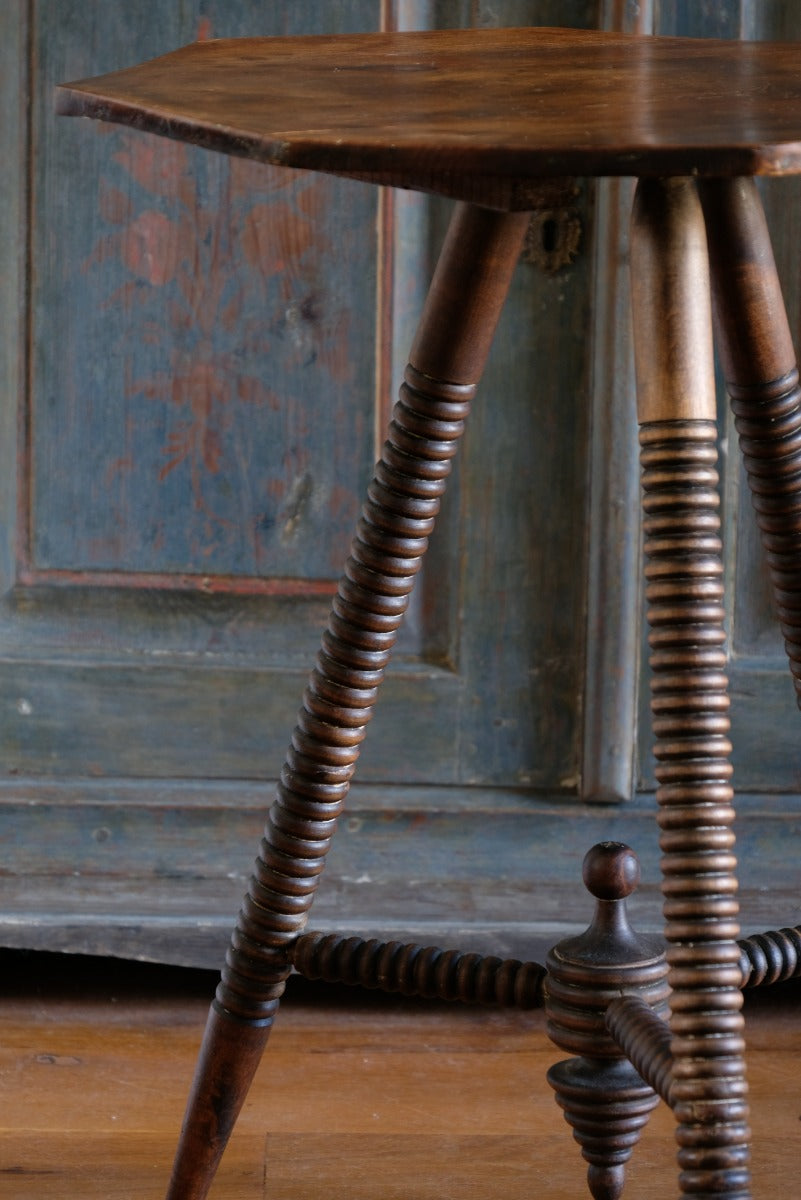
point(756, 350)
point(446, 362)
point(684, 581)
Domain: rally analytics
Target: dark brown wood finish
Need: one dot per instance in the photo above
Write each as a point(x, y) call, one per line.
point(475, 113)
point(412, 970)
point(690, 703)
point(482, 117)
point(771, 957)
point(691, 724)
point(671, 305)
point(759, 365)
point(603, 1097)
point(446, 362)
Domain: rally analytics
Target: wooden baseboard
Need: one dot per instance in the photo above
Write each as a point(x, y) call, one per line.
point(119, 872)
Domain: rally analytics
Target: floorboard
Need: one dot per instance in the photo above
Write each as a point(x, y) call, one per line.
point(359, 1096)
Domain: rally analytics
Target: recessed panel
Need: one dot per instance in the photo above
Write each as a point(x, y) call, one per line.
point(203, 345)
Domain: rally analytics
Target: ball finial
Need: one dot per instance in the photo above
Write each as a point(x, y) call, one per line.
point(611, 871)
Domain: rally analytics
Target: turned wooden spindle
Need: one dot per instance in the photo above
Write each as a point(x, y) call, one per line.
point(759, 364)
point(689, 685)
point(644, 1037)
point(411, 970)
point(604, 1099)
point(770, 957)
point(463, 306)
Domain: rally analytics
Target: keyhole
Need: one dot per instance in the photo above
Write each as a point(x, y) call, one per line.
point(553, 239)
point(550, 235)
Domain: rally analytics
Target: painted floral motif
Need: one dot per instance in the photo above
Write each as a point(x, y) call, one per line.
point(216, 267)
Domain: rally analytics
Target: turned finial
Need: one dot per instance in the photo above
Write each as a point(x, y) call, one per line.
point(586, 972)
point(603, 1098)
point(610, 871)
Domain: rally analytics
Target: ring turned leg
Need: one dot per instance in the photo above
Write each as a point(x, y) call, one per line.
point(759, 365)
point(684, 573)
point(446, 362)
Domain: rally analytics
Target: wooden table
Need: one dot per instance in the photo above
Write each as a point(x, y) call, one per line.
point(492, 118)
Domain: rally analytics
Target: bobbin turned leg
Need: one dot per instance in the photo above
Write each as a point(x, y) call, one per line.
point(759, 365)
point(446, 362)
point(676, 400)
point(604, 1099)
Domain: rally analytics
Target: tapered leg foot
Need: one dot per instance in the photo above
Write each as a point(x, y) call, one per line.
point(606, 1183)
point(229, 1058)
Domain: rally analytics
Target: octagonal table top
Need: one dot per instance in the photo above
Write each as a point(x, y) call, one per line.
point(480, 114)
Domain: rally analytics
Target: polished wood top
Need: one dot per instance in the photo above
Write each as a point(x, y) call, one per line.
point(476, 113)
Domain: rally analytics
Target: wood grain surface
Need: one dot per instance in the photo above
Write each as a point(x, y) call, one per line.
point(418, 109)
point(360, 1096)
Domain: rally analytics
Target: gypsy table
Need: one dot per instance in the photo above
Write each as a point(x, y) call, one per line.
point(486, 117)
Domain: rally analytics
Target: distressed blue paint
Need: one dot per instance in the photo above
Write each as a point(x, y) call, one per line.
point(203, 397)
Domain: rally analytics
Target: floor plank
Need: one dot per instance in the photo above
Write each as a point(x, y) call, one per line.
point(358, 1096)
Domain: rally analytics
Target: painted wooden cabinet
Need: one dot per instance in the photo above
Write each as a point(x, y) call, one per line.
point(197, 360)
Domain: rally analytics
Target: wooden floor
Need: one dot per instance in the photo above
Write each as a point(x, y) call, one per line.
point(358, 1097)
